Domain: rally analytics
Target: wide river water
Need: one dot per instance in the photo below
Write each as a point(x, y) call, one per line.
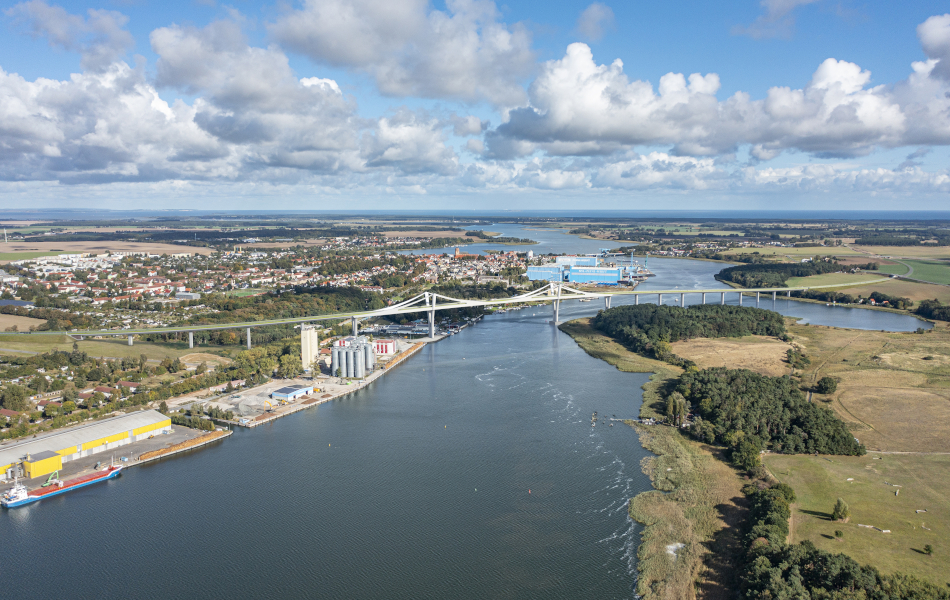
point(470, 471)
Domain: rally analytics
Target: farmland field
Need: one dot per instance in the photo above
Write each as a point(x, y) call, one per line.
point(909, 251)
point(62, 247)
point(934, 272)
point(816, 281)
point(871, 493)
point(903, 288)
point(796, 253)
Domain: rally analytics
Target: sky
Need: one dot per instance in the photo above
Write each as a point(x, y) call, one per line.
point(475, 105)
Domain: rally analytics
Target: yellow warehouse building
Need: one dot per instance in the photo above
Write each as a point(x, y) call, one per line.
point(47, 453)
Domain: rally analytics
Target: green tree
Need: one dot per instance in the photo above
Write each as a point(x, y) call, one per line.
point(51, 410)
point(202, 369)
point(746, 454)
point(95, 400)
point(826, 385)
point(928, 550)
point(14, 398)
point(290, 366)
point(841, 512)
point(839, 534)
point(163, 408)
point(676, 408)
point(69, 406)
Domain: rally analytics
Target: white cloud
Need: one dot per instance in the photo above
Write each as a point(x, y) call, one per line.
point(463, 53)
point(595, 20)
point(778, 19)
point(578, 107)
point(100, 38)
point(934, 34)
point(253, 119)
point(411, 144)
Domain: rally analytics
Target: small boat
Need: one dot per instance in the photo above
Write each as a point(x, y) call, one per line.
point(18, 495)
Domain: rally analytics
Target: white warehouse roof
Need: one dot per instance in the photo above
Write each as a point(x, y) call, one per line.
point(73, 436)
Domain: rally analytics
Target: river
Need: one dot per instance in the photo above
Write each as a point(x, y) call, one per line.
point(470, 471)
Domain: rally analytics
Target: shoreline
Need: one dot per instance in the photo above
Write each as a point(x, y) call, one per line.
point(682, 516)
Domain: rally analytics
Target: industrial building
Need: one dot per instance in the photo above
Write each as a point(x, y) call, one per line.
point(356, 358)
point(43, 455)
point(385, 347)
point(309, 346)
point(606, 269)
point(291, 392)
point(576, 261)
point(602, 275)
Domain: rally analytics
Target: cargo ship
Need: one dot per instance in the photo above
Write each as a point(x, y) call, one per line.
point(18, 495)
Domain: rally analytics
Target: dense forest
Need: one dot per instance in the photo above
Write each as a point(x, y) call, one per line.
point(775, 569)
point(649, 329)
point(750, 412)
point(776, 274)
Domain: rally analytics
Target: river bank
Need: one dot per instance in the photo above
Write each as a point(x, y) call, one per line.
point(691, 517)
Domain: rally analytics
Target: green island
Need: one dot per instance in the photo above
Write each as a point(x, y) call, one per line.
point(754, 421)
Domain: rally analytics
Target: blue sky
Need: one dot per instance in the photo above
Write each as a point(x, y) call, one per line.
point(402, 104)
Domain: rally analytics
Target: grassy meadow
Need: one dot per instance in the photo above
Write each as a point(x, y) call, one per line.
point(868, 485)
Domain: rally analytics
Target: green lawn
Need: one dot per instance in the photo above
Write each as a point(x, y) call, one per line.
point(934, 272)
point(819, 481)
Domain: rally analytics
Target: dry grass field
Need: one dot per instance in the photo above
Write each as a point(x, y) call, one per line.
point(903, 288)
point(894, 388)
point(757, 353)
point(197, 358)
point(869, 485)
point(61, 247)
point(21, 323)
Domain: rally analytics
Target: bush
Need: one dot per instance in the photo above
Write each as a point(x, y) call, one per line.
point(839, 534)
point(841, 512)
point(826, 385)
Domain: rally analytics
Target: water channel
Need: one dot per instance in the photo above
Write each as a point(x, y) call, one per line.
point(470, 471)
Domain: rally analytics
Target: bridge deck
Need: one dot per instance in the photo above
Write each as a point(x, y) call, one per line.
point(549, 293)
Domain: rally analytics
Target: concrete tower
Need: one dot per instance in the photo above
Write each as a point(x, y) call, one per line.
point(309, 346)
